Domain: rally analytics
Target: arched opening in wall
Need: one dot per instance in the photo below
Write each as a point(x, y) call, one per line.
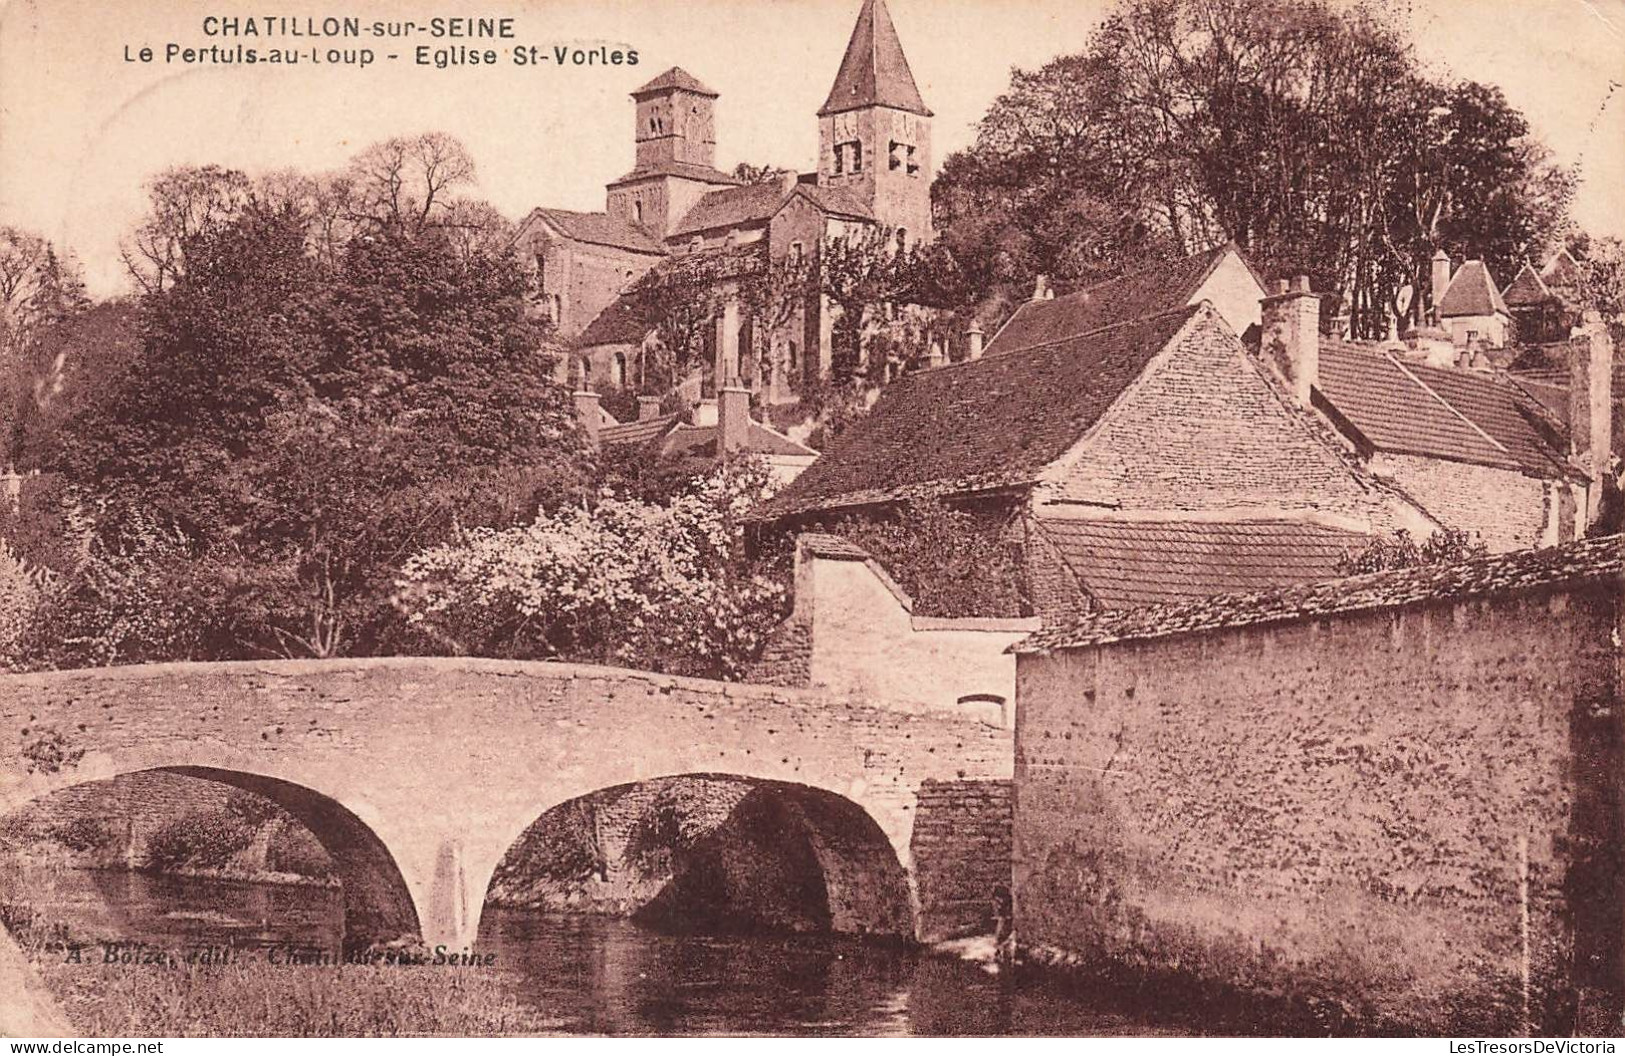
point(199, 856)
point(706, 853)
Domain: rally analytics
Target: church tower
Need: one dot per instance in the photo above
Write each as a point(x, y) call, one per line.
point(874, 130)
point(676, 145)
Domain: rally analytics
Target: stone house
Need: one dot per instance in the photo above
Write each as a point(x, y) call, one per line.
point(1149, 458)
point(1471, 309)
point(874, 168)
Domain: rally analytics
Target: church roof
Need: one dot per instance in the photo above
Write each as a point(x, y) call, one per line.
point(675, 78)
point(756, 203)
point(601, 229)
point(1527, 289)
point(731, 207)
point(1471, 292)
point(684, 169)
point(874, 71)
point(1160, 288)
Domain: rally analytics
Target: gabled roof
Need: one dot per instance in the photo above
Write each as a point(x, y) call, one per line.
point(874, 71)
point(757, 203)
point(1562, 272)
point(1471, 292)
point(978, 425)
point(1123, 564)
point(1409, 408)
point(677, 438)
point(599, 229)
point(1599, 560)
point(677, 79)
point(1527, 289)
point(731, 207)
point(1158, 288)
point(683, 169)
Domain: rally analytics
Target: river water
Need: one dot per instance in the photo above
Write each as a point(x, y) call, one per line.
point(599, 975)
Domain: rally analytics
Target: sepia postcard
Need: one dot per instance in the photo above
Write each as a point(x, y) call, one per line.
point(812, 518)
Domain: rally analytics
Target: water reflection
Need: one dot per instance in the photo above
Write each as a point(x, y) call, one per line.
point(600, 975)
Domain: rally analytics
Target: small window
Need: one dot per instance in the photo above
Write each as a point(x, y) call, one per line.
point(694, 244)
point(902, 239)
point(794, 358)
point(840, 158)
point(857, 156)
point(637, 210)
point(913, 166)
point(796, 251)
point(617, 370)
point(894, 162)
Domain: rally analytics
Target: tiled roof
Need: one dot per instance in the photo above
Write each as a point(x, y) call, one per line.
point(837, 201)
point(680, 439)
point(874, 71)
point(637, 432)
point(1526, 289)
point(731, 207)
point(687, 170)
point(701, 440)
point(1562, 272)
point(1471, 292)
point(818, 544)
point(1150, 291)
point(1122, 564)
point(1409, 408)
point(601, 229)
point(678, 78)
point(987, 423)
point(1590, 560)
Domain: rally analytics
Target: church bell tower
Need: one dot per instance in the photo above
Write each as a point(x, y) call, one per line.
point(874, 130)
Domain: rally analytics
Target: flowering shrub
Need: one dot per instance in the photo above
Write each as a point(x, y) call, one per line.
point(22, 587)
point(666, 587)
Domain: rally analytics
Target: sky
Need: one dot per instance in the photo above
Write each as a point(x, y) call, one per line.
point(82, 128)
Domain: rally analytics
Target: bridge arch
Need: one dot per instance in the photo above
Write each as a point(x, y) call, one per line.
point(378, 905)
point(707, 851)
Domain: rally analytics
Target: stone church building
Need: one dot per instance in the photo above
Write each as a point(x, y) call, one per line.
point(677, 215)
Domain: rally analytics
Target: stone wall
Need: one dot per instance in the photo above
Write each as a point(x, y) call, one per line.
point(1413, 815)
point(1234, 445)
point(865, 640)
point(962, 842)
point(1506, 509)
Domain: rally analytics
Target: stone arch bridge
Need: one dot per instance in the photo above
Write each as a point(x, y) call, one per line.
point(417, 774)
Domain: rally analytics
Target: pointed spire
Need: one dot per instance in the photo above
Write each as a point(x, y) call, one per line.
point(874, 71)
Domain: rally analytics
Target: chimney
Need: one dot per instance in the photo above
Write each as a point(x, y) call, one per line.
point(648, 407)
point(1432, 345)
point(1041, 288)
point(973, 339)
point(587, 416)
point(1441, 276)
point(1291, 325)
point(733, 420)
point(1591, 370)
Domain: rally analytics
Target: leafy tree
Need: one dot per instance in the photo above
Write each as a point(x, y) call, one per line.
point(305, 427)
point(1306, 133)
point(745, 172)
point(883, 292)
point(1443, 547)
point(185, 203)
